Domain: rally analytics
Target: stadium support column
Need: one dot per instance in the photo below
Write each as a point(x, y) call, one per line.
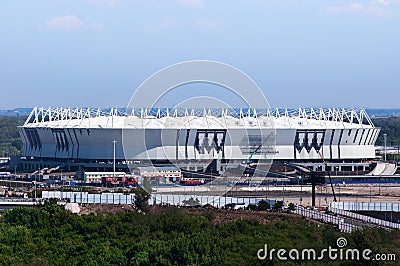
point(218, 166)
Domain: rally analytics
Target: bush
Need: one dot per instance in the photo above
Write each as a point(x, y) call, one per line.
point(191, 202)
point(252, 207)
point(32, 193)
point(278, 205)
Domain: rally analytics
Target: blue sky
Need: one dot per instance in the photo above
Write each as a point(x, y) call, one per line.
point(301, 53)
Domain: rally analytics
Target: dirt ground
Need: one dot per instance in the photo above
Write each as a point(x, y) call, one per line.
point(217, 216)
point(99, 209)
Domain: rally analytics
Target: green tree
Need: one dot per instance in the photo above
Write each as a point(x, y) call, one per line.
point(263, 205)
point(278, 205)
point(291, 206)
point(141, 199)
point(147, 185)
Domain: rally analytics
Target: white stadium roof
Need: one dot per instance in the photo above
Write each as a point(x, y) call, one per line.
point(198, 118)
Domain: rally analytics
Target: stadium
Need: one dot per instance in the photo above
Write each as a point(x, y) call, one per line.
point(197, 140)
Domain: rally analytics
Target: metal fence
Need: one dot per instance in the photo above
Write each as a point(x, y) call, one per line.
point(170, 199)
point(366, 206)
point(85, 197)
point(343, 225)
point(366, 219)
point(216, 201)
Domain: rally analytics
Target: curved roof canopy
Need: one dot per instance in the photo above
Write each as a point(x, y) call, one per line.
point(198, 118)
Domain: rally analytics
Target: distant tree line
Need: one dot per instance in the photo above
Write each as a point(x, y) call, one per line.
point(10, 140)
point(391, 127)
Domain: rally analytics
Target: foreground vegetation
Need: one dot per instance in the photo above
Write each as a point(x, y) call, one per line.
point(51, 235)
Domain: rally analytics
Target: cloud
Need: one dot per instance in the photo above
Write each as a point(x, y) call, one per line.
point(165, 23)
point(382, 2)
point(356, 6)
point(351, 7)
point(104, 2)
point(97, 26)
point(375, 8)
point(193, 3)
point(64, 23)
point(207, 24)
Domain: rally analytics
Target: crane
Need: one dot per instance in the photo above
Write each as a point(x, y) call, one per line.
point(249, 161)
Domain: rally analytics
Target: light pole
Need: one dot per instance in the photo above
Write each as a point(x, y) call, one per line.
point(283, 199)
point(114, 142)
point(301, 191)
point(62, 185)
point(62, 181)
point(384, 140)
point(319, 196)
point(379, 186)
point(370, 194)
point(35, 183)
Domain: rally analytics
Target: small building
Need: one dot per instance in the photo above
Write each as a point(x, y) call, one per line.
point(170, 173)
point(96, 177)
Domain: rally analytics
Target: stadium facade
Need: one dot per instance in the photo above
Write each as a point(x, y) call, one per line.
point(83, 139)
